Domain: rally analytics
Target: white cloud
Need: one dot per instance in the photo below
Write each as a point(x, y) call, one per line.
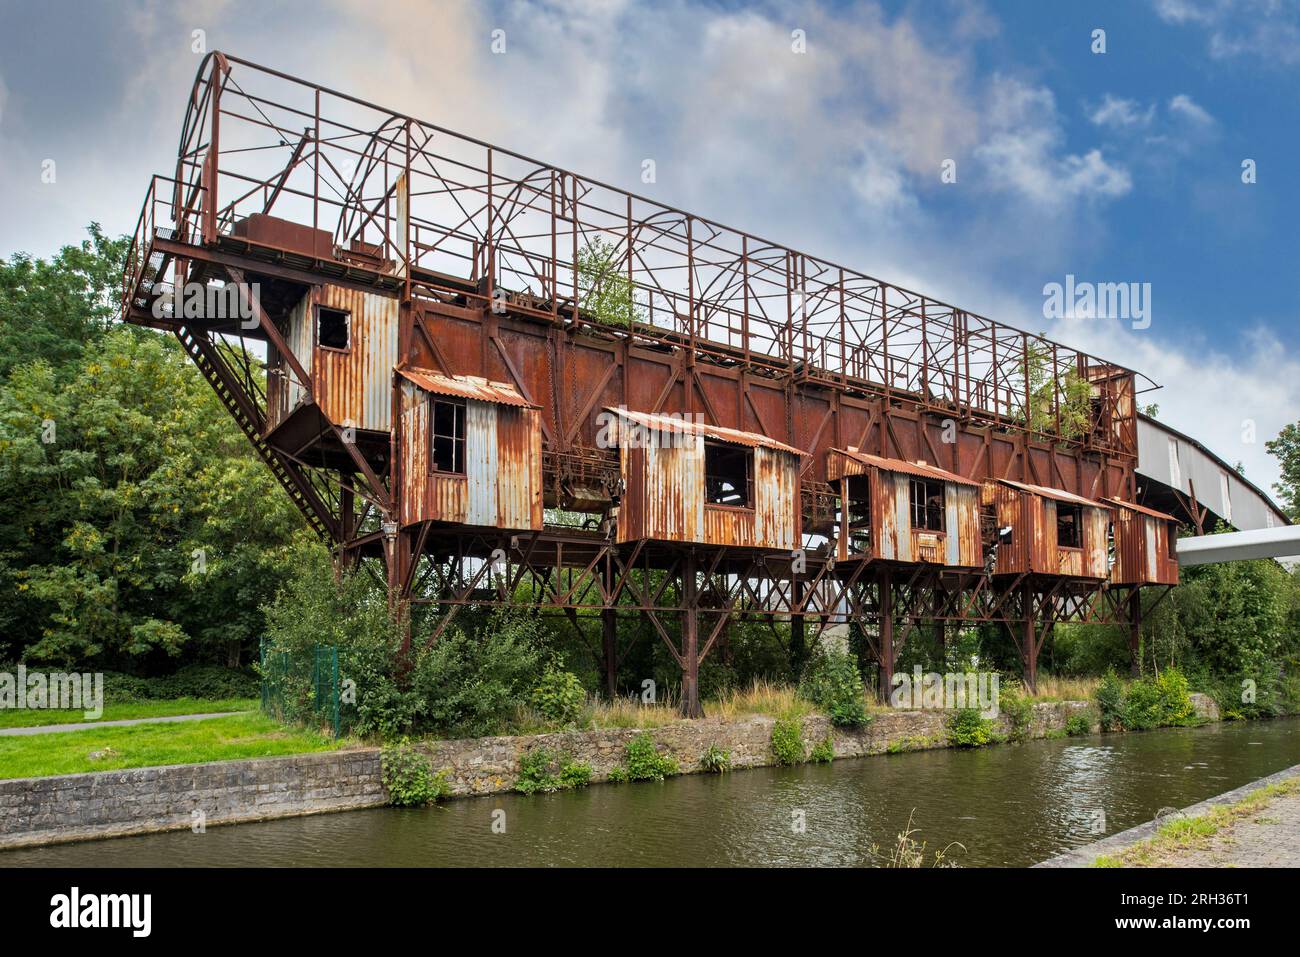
point(1264, 29)
point(1023, 152)
point(1119, 112)
point(1186, 107)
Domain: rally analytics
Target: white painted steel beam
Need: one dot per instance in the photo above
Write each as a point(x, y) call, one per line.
point(1281, 542)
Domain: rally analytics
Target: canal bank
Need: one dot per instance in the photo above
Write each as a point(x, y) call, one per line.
point(40, 811)
point(1007, 806)
point(1254, 825)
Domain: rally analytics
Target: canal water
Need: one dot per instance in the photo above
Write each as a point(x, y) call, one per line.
point(1006, 805)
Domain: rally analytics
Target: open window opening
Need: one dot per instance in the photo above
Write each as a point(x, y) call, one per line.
point(927, 505)
point(1069, 525)
point(857, 513)
point(332, 328)
point(728, 475)
point(1171, 536)
point(448, 435)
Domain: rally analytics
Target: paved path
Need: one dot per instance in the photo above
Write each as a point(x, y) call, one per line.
point(85, 725)
point(1268, 837)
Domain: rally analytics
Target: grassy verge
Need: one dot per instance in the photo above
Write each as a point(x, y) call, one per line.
point(144, 745)
point(27, 718)
point(1193, 833)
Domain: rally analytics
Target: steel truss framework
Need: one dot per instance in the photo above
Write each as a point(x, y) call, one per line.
point(451, 227)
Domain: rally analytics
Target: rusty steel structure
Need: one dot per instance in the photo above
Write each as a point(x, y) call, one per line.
point(427, 363)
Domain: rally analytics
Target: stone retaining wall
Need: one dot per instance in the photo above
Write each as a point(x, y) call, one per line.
point(110, 803)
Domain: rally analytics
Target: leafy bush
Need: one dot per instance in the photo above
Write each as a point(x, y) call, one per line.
point(1175, 701)
point(823, 752)
point(409, 778)
point(575, 774)
point(471, 685)
point(1142, 706)
point(1079, 723)
point(787, 741)
point(967, 728)
point(1019, 710)
point(643, 762)
point(833, 683)
point(558, 696)
point(544, 770)
point(715, 760)
point(192, 681)
point(1110, 702)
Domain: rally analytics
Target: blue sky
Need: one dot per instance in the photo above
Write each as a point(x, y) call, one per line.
point(1115, 167)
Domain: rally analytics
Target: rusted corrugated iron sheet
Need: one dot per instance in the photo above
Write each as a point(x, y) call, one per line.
point(851, 461)
point(353, 385)
point(1142, 546)
point(1133, 506)
point(892, 536)
point(502, 483)
point(519, 465)
point(1030, 512)
point(481, 464)
point(1056, 494)
point(677, 426)
point(466, 387)
point(664, 492)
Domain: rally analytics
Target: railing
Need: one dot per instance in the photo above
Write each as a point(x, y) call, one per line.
point(451, 214)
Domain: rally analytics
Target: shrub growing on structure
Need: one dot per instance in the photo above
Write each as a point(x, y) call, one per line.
point(558, 696)
point(409, 779)
point(823, 752)
point(1079, 723)
point(787, 741)
point(833, 683)
point(967, 728)
point(1110, 702)
point(471, 685)
point(1015, 704)
point(643, 762)
point(715, 760)
point(543, 770)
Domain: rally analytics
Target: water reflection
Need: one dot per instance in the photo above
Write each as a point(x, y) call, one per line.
point(1010, 805)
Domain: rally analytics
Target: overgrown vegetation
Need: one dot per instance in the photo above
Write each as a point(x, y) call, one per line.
point(1159, 702)
point(643, 762)
point(823, 751)
point(967, 728)
point(604, 290)
point(1079, 723)
point(787, 741)
point(543, 770)
point(1019, 709)
point(715, 760)
point(408, 777)
point(833, 682)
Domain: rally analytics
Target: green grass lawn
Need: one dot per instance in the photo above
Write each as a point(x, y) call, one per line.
point(144, 745)
point(30, 718)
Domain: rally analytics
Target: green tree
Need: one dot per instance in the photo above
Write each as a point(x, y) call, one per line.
point(49, 309)
point(603, 287)
point(1287, 449)
point(130, 509)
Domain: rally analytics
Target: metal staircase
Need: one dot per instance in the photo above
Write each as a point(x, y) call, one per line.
point(250, 420)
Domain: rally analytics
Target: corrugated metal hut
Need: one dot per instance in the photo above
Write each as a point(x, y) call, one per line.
point(346, 341)
point(685, 481)
point(1145, 545)
point(1051, 532)
point(470, 451)
point(903, 511)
